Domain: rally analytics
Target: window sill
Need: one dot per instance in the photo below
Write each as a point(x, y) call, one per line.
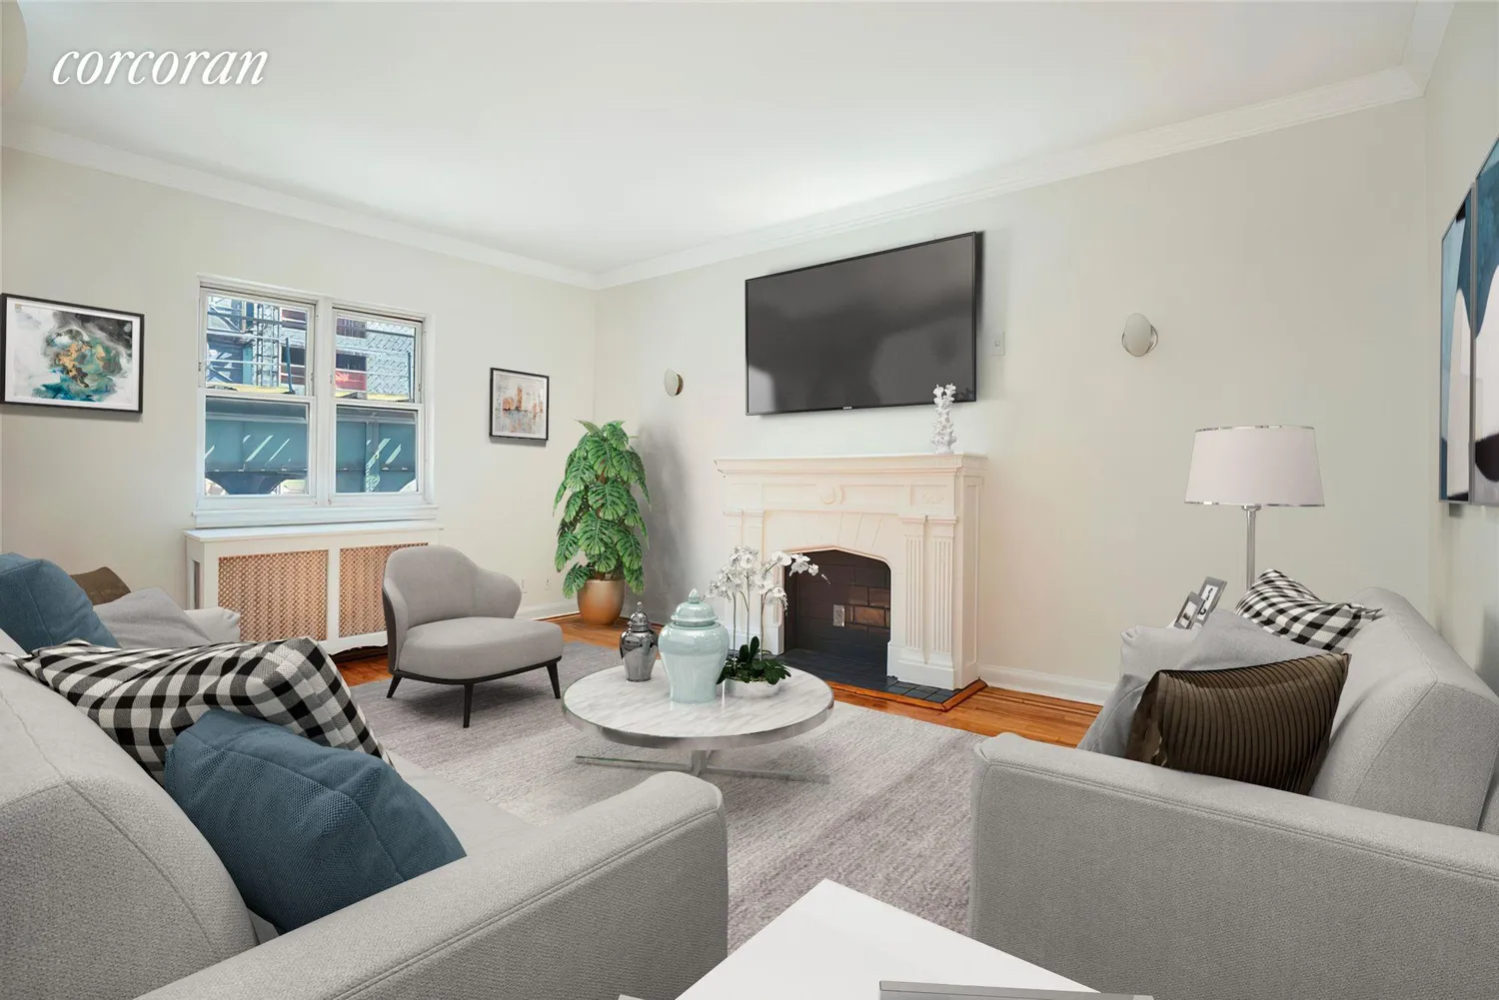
point(250, 517)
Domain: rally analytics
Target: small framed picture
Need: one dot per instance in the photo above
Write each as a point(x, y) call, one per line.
point(1209, 593)
point(1187, 616)
point(519, 405)
point(64, 354)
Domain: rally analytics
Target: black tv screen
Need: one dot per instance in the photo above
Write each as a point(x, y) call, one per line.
point(877, 330)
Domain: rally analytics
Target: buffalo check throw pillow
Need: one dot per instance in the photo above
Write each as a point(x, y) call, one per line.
point(144, 697)
point(1279, 604)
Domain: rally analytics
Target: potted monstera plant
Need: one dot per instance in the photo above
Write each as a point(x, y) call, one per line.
point(601, 526)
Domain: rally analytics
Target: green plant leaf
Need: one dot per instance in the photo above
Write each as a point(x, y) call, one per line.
point(593, 428)
point(590, 534)
point(611, 499)
point(597, 451)
point(574, 505)
point(567, 547)
point(616, 435)
point(607, 562)
point(627, 545)
point(637, 474)
point(575, 578)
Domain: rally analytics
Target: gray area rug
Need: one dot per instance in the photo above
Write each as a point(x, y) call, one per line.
point(892, 823)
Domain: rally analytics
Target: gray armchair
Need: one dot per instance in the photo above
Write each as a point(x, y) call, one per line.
point(448, 621)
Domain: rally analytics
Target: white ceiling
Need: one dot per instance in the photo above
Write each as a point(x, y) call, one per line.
point(599, 136)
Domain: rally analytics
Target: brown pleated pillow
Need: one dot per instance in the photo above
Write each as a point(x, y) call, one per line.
point(1267, 725)
point(101, 585)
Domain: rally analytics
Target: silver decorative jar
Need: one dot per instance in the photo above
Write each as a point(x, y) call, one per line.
point(693, 648)
point(637, 646)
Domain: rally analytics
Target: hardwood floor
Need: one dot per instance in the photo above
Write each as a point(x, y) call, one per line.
point(989, 711)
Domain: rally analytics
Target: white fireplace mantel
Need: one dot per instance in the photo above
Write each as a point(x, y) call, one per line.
point(917, 513)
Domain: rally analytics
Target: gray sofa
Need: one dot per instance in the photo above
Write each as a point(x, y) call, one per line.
point(107, 891)
point(1383, 883)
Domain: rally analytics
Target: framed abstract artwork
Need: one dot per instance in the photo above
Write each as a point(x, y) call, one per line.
point(68, 355)
point(1455, 453)
point(1484, 224)
point(519, 405)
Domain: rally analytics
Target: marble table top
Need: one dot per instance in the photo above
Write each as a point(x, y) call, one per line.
point(640, 713)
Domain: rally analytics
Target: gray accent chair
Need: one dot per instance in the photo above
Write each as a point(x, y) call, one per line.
point(1382, 883)
point(449, 621)
point(107, 891)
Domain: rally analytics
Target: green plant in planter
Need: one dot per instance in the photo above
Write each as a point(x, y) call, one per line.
point(749, 664)
point(601, 522)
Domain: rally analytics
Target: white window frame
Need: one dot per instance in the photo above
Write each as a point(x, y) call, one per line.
point(321, 504)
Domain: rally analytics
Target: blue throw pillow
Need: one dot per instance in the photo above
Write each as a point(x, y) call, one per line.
point(303, 829)
point(40, 605)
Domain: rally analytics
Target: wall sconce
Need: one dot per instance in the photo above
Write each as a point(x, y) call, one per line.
point(1139, 336)
point(672, 383)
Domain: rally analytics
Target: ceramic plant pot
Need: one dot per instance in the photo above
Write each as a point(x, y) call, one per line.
point(753, 689)
point(693, 647)
point(600, 601)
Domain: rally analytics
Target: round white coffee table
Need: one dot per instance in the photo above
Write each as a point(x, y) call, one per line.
point(641, 714)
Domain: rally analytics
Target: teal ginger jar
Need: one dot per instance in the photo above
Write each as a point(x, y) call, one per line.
point(693, 647)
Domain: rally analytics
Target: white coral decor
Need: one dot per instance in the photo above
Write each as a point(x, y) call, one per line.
point(943, 435)
point(755, 582)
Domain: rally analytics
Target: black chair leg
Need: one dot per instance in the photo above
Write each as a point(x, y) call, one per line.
point(552, 673)
point(394, 680)
point(468, 702)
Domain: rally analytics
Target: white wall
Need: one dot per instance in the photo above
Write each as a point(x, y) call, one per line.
point(1462, 122)
point(1285, 273)
point(88, 490)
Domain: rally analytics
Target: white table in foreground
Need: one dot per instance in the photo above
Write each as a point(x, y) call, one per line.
point(837, 944)
point(641, 714)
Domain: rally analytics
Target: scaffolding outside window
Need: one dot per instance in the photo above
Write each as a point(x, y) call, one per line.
point(307, 401)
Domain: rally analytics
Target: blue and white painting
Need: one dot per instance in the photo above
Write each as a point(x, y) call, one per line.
point(59, 354)
point(1485, 225)
point(1453, 469)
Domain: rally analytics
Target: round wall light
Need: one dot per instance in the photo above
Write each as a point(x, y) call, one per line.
point(672, 383)
point(1139, 336)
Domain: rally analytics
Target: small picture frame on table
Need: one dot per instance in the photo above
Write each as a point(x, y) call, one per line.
point(1208, 596)
point(1187, 616)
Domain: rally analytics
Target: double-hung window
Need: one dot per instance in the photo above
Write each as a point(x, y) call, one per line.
point(313, 410)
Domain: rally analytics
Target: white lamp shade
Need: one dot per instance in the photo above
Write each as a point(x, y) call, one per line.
point(1255, 467)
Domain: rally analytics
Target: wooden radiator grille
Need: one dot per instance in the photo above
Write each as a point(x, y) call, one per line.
point(280, 595)
point(361, 572)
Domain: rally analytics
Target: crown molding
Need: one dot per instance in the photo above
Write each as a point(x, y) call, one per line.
point(1374, 90)
point(1423, 41)
point(86, 153)
point(1400, 83)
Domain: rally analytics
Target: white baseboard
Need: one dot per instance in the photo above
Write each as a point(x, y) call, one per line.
point(346, 642)
point(553, 610)
point(1053, 685)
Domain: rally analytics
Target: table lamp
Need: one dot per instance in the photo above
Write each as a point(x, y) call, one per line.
point(1254, 467)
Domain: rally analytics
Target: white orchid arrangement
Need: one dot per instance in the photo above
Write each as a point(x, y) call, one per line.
point(758, 583)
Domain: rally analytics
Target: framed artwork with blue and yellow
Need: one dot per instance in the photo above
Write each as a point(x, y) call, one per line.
point(69, 355)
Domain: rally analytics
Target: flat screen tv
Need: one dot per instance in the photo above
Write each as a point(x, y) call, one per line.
point(877, 330)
